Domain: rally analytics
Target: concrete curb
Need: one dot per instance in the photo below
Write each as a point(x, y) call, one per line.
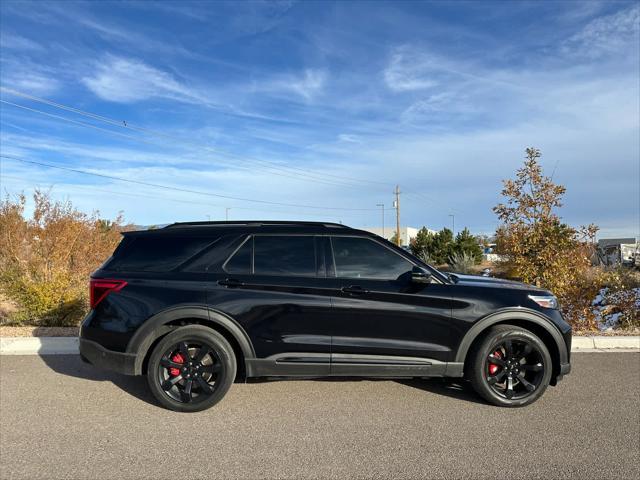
point(603, 342)
point(38, 345)
point(69, 345)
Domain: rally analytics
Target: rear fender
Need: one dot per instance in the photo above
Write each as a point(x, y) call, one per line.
point(157, 326)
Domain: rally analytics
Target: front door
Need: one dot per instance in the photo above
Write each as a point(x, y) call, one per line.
point(383, 322)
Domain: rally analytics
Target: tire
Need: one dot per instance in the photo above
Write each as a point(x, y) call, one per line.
point(510, 366)
point(191, 369)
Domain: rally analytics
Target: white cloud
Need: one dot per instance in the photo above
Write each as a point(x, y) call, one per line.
point(610, 33)
point(16, 42)
point(414, 69)
point(23, 74)
point(126, 80)
point(34, 83)
point(439, 102)
point(349, 138)
point(307, 84)
point(310, 84)
point(409, 70)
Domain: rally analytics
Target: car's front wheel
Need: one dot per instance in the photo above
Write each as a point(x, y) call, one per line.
point(191, 369)
point(510, 366)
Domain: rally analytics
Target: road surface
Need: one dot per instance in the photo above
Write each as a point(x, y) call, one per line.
point(60, 418)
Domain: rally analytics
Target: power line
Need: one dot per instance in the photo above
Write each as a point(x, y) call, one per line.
point(142, 195)
point(288, 171)
point(122, 124)
point(396, 204)
point(135, 138)
point(178, 189)
point(285, 171)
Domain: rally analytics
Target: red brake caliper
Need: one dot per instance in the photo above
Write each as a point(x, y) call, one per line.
point(493, 368)
point(174, 372)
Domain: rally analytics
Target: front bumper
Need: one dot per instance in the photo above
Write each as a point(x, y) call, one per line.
point(95, 354)
point(565, 369)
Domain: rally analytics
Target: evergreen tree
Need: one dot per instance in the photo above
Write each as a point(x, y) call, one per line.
point(468, 244)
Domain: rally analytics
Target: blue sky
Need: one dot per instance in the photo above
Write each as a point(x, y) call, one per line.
point(315, 104)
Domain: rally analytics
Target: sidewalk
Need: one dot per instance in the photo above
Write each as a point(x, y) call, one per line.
point(69, 345)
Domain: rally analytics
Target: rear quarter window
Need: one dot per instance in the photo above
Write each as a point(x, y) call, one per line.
point(157, 253)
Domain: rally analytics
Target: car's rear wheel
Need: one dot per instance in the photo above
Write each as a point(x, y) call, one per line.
point(510, 366)
point(191, 369)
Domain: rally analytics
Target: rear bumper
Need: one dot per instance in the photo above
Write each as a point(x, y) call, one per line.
point(95, 354)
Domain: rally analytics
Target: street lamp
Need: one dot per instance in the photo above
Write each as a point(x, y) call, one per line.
point(453, 224)
point(226, 213)
point(382, 207)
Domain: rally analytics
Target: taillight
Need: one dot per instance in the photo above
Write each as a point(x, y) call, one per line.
point(99, 288)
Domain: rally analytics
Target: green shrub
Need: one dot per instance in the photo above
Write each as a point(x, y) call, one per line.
point(467, 245)
point(462, 262)
point(440, 247)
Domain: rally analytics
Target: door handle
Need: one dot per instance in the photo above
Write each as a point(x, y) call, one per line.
point(230, 283)
point(354, 290)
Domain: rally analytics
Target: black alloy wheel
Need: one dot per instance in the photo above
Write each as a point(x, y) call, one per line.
point(515, 368)
point(510, 366)
point(188, 370)
point(191, 369)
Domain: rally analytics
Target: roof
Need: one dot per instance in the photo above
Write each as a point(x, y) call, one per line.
point(249, 226)
point(607, 242)
point(254, 223)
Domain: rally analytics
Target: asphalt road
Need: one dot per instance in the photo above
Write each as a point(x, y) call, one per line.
point(60, 418)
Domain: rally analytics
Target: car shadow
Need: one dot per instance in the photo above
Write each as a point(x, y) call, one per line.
point(448, 387)
point(73, 366)
point(136, 386)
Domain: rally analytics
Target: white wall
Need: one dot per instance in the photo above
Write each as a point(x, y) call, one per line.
point(406, 233)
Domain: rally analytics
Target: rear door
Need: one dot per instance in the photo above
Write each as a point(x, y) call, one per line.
point(383, 322)
point(273, 286)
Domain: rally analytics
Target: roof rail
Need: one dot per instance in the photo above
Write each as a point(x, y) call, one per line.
point(254, 223)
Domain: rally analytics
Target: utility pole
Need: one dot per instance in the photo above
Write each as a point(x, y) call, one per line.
point(396, 204)
point(382, 207)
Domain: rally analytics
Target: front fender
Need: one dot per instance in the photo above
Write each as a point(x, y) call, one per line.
point(505, 316)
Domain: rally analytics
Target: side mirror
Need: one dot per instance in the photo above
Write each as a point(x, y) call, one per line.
point(419, 275)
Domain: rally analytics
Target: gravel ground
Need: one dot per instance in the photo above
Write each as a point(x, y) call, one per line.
point(60, 418)
point(7, 331)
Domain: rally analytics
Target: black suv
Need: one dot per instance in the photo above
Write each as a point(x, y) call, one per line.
point(195, 306)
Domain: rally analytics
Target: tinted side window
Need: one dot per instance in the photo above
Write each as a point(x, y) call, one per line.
point(155, 253)
point(284, 255)
point(240, 262)
point(363, 258)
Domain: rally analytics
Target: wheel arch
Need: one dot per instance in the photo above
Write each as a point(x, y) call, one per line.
point(156, 327)
point(529, 320)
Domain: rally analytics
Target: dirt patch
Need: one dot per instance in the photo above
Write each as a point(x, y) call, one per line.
point(7, 307)
point(7, 331)
point(607, 333)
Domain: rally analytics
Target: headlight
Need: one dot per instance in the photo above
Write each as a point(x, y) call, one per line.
point(545, 301)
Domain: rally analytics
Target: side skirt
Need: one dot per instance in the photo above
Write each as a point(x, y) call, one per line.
point(346, 365)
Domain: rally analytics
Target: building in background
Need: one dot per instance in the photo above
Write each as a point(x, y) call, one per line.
point(406, 233)
point(619, 251)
